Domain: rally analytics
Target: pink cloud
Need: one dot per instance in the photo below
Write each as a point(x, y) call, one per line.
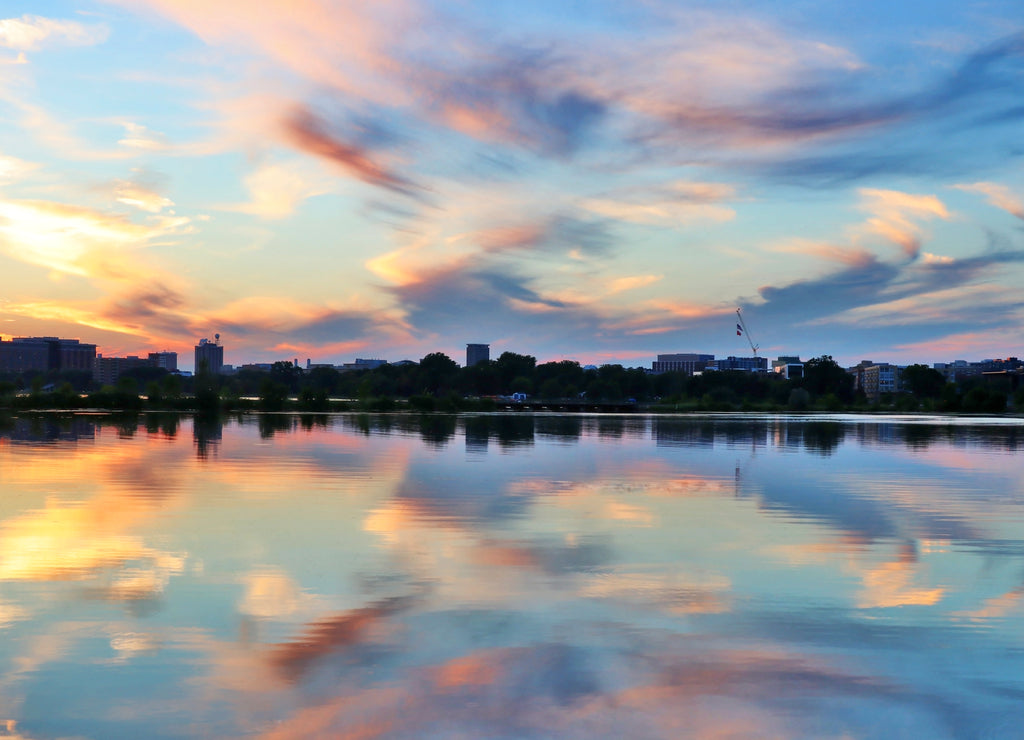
point(307, 132)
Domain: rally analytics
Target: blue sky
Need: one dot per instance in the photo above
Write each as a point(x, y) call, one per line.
point(591, 181)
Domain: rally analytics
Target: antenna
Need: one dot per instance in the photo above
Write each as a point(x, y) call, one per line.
point(746, 332)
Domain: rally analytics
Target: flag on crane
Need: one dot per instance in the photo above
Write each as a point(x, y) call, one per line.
point(739, 330)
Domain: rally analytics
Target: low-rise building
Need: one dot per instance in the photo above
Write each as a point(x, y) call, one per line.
point(748, 364)
point(25, 354)
point(108, 370)
point(876, 378)
point(688, 363)
point(165, 359)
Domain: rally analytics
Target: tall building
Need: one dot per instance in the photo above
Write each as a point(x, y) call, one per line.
point(477, 353)
point(687, 363)
point(166, 360)
point(209, 355)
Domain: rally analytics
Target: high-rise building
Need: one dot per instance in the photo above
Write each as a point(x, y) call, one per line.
point(476, 353)
point(209, 355)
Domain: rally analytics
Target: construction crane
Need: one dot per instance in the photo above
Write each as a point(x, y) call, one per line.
point(741, 328)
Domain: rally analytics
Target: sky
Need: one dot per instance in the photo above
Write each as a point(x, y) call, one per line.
point(594, 181)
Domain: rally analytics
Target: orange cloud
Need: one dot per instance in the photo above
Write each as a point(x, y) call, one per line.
point(894, 215)
point(619, 285)
point(892, 584)
point(998, 195)
point(75, 240)
point(846, 255)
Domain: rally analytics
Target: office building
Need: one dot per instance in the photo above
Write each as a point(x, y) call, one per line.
point(166, 360)
point(748, 364)
point(209, 356)
point(107, 370)
point(24, 354)
point(788, 366)
point(476, 353)
point(876, 378)
point(681, 363)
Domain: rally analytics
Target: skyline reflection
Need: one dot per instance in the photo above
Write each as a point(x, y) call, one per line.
point(510, 576)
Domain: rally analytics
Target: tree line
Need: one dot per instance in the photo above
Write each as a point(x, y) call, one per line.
point(438, 383)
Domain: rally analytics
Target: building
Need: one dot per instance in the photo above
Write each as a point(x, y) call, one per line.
point(209, 355)
point(24, 354)
point(788, 366)
point(107, 370)
point(476, 353)
point(681, 363)
point(166, 360)
point(748, 364)
point(876, 378)
point(369, 364)
point(962, 369)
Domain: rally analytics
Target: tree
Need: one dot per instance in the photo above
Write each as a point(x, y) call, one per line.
point(824, 375)
point(923, 381)
point(286, 374)
point(511, 366)
point(438, 372)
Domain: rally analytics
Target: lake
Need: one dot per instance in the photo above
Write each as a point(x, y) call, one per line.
point(511, 576)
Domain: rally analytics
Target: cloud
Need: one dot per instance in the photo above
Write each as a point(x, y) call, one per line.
point(276, 189)
point(13, 169)
point(339, 46)
point(679, 203)
point(141, 197)
point(137, 136)
point(145, 302)
point(619, 285)
point(262, 323)
point(75, 240)
point(32, 32)
point(560, 232)
point(308, 133)
point(512, 95)
point(998, 195)
point(332, 635)
point(893, 216)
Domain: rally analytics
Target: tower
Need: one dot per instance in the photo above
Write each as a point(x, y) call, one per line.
point(477, 353)
point(209, 355)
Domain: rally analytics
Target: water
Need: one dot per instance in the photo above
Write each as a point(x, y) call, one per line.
point(512, 577)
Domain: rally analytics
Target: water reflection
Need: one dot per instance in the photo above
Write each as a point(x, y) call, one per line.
point(543, 576)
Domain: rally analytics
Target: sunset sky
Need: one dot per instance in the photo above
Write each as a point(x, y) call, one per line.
point(600, 181)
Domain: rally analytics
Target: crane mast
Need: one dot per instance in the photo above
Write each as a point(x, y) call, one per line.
point(746, 332)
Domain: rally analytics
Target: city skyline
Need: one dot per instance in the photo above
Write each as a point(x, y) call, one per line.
point(596, 182)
